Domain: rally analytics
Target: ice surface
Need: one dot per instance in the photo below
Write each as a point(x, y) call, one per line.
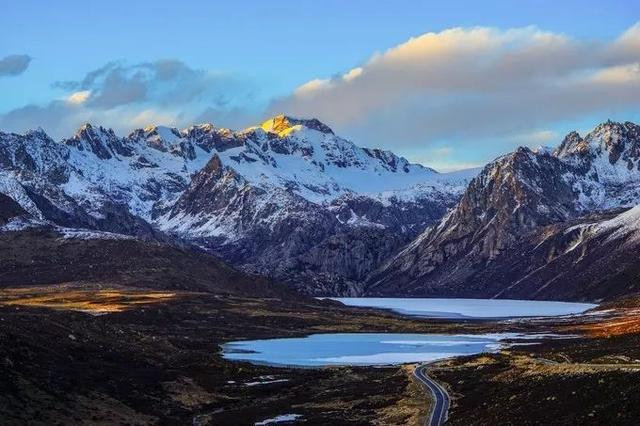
point(279, 419)
point(366, 348)
point(468, 308)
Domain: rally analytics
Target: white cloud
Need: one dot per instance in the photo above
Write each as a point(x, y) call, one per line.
point(468, 84)
point(535, 138)
point(79, 97)
point(443, 152)
point(477, 91)
point(125, 97)
point(628, 44)
point(618, 75)
point(443, 159)
point(352, 74)
point(149, 117)
point(312, 87)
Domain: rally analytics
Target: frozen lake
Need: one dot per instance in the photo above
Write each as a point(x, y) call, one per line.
point(398, 348)
point(468, 308)
point(364, 348)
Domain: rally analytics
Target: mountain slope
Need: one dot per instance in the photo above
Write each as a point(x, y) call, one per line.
point(296, 202)
point(592, 258)
point(100, 258)
point(288, 199)
point(486, 243)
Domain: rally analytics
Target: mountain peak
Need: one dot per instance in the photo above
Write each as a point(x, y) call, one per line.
point(169, 134)
point(619, 141)
point(282, 124)
point(610, 137)
point(609, 125)
point(206, 127)
point(39, 132)
point(97, 139)
point(84, 129)
point(572, 143)
point(90, 130)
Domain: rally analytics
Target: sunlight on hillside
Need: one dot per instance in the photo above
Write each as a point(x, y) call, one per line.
point(93, 301)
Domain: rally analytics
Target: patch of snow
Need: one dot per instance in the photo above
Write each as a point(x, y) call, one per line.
point(168, 134)
point(279, 419)
point(266, 382)
point(20, 224)
point(624, 225)
point(11, 187)
point(83, 234)
point(544, 150)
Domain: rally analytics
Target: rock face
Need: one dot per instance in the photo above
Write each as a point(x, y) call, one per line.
point(298, 203)
point(292, 200)
point(288, 199)
point(509, 234)
point(591, 258)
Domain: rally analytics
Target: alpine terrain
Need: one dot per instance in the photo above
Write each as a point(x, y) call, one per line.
point(546, 224)
point(287, 199)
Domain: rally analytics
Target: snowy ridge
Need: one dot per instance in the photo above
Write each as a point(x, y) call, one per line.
point(625, 227)
point(288, 158)
point(152, 166)
point(623, 224)
point(518, 198)
point(141, 170)
point(605, 166)
point(288, 191)
point(83, 234)
point(320, 166)
point(292, 200)
point(22, 223)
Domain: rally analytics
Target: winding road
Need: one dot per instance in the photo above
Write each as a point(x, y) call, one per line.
point(440, 409)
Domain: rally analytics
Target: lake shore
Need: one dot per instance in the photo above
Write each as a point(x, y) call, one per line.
point(162, 360)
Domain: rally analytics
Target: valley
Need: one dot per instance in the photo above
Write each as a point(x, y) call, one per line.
point(287, 199)
point(291, 201)
point(127, 264)
point(158, 358)
point(320, 213)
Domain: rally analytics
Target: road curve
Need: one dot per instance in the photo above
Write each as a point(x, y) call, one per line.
point(440, 409)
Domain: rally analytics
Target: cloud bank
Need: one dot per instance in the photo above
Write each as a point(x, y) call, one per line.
point(467, 84)
point(125, 96)
point(461, 95)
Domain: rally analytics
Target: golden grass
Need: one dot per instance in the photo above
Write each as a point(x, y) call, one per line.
point(626, 321)
point(91, 300)
point(412, 406)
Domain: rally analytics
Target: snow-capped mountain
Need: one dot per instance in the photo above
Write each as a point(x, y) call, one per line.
point(518, 223)
point(288, 199)
point(305, 160)
point(292, 200)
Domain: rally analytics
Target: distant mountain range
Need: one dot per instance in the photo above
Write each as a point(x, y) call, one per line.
point(288, 199)
point(292, 201)
point(548, 224)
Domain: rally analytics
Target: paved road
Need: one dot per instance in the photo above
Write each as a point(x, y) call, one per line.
point(440, 409)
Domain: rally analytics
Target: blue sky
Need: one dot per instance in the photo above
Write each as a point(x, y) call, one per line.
point(234, 63)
